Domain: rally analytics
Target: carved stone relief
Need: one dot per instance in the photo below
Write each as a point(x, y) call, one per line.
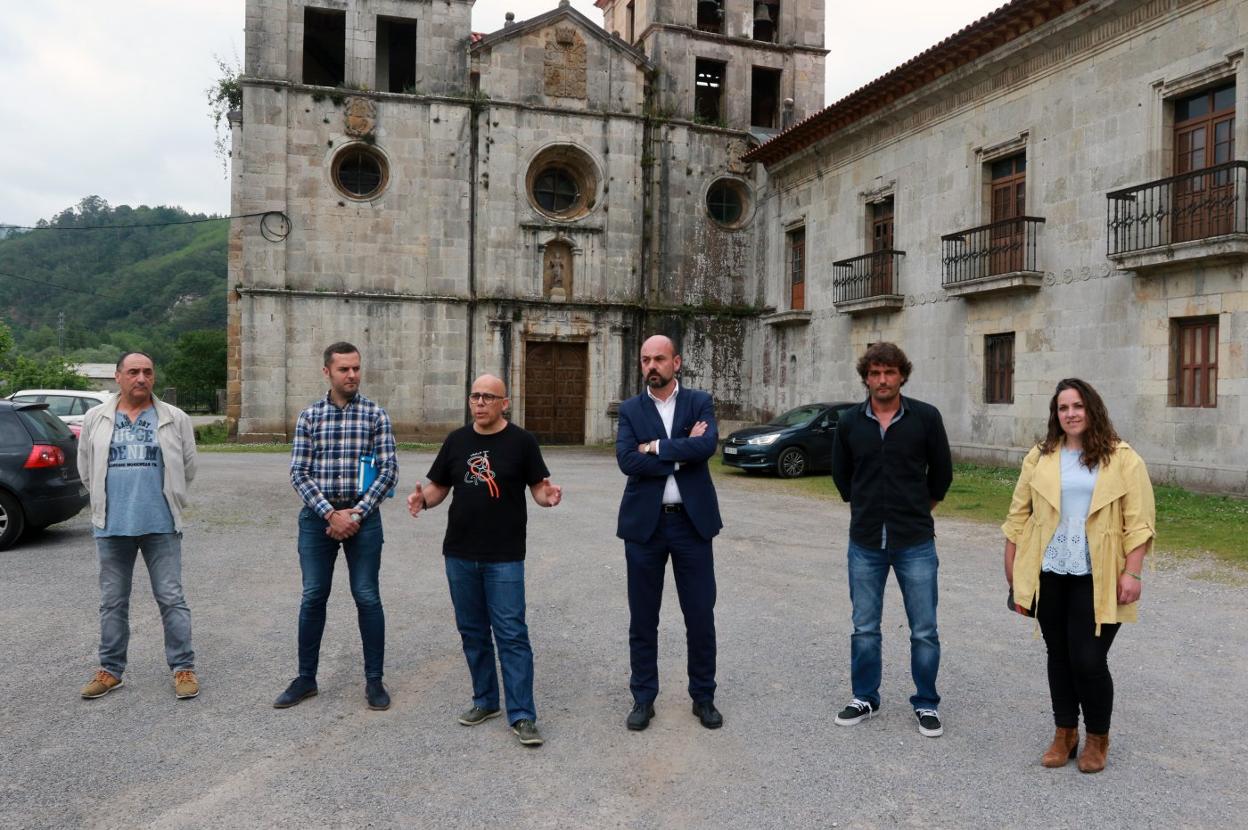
point(565, 63)
point(359, 116)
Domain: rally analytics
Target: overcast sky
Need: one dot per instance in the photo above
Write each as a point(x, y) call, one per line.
point(108, 98)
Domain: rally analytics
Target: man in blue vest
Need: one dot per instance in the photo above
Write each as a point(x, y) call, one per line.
point(666, 436)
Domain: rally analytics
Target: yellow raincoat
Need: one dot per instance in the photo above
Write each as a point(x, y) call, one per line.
point(1121, 517)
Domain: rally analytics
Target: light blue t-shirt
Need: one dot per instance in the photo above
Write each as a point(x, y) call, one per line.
point(136, 478)
point(1068, 552)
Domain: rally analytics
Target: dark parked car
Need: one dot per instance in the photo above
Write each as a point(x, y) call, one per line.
point(39, 481)
point(796, 443)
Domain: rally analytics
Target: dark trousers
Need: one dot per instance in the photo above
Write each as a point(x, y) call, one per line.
point(1078, 659)
point(317, 553)
point(693, 566)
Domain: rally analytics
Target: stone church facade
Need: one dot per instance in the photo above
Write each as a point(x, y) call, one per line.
point(1055, 190)
point(530, 203)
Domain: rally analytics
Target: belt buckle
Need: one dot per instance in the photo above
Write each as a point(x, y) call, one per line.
point(673, 508)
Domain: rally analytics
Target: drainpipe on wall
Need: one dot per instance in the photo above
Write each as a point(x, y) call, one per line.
point(477, 107)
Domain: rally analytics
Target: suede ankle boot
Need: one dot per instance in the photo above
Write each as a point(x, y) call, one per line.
point(1095, 747)
point(1065, 742)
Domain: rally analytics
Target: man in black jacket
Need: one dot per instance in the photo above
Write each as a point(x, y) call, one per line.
point(891, 462)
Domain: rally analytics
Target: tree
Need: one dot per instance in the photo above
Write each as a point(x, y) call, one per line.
point(21, 372)
point(198, 368)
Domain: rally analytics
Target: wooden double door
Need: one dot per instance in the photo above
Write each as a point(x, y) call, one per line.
point(556, 382)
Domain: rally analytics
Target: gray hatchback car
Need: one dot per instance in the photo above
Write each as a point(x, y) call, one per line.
point(39, 481)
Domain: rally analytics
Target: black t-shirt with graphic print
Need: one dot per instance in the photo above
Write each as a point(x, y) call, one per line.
point(489, 476)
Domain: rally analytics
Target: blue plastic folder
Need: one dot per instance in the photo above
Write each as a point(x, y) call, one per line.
point(368, 474)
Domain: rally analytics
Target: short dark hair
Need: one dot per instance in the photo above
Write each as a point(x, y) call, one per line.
point(341, 347)
point(124, 355)
point(884, 354)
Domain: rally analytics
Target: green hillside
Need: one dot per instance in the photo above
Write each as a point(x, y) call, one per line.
point(119, 287)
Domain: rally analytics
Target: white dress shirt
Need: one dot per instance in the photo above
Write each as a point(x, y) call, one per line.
point(667, 412)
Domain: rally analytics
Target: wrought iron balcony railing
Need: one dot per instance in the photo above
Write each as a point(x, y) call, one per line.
point(1003, 247)
point(870, 275)
point(1212, 201)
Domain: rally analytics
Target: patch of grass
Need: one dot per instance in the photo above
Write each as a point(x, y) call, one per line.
point(211, 434)
point(1187, 522)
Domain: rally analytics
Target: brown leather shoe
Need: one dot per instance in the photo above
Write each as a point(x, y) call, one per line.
point(1095, 747)
point(185, 684)
point(100, 685)
point(1065, 742)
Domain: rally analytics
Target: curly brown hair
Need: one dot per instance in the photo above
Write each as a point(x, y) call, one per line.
point(884, 354)
point(1099, 439)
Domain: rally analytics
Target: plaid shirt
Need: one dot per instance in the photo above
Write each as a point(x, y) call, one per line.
point(325, 456)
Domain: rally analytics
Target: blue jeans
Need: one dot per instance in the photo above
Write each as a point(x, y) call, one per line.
point(915, 568)
point(489, 598)
point(317, 553)
point(162, 552)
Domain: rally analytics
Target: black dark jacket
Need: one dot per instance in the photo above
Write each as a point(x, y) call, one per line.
point(892, 480)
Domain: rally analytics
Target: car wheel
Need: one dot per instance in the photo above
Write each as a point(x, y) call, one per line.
point(11, 520)
point(791, 463)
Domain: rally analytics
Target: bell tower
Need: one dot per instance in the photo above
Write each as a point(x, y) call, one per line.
point(742, 64)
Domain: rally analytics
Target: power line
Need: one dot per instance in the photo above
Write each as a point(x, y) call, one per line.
point(265, 214)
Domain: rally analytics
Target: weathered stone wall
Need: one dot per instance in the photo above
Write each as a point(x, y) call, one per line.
point(566, 67)
point(446, 273)
point(275, 30)
point(1084, 97)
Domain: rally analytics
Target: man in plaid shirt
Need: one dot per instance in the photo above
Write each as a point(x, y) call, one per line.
point(331, 436)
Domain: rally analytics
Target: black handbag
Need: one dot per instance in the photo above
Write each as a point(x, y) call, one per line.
point(1013, 606)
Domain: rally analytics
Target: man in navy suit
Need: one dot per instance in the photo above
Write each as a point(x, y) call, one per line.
point(666, 436)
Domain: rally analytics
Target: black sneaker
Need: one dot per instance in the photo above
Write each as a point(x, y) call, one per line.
point(929, 723)
point(526, 731)
point(477, 715)
point(856, 712)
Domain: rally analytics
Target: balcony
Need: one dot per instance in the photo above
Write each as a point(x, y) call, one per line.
point(1199, 217)
point(998, 258)
point(867, 284)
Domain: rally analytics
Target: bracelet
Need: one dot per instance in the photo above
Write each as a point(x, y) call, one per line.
point(1131, 574)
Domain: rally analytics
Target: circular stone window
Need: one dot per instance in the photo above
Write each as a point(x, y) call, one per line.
point(727, 201)
point(562, 182)
point(360, 172)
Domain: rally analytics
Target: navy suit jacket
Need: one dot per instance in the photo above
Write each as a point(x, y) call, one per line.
point(647, 474)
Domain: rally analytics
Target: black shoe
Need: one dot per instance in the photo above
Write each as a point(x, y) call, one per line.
point(639, 718)
point(378, 697)
point(708, 714)
point(299, 689)
point(856, 712)
point(929, 723)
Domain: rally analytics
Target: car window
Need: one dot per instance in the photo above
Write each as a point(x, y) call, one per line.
point(12, 433)
point(27, 399)
point(60, 404)
point(81, 405)
point(796, 417)
point(44, 426)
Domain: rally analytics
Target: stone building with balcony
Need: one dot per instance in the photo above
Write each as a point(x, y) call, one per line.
point(530, 202)
point(1057, 190)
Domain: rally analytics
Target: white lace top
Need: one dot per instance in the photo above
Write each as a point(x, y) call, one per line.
point(1067, 552)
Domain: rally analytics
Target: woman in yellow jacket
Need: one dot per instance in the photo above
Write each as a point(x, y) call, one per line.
point(1079, 526)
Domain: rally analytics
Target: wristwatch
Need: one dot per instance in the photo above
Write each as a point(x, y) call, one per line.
point(355, 517)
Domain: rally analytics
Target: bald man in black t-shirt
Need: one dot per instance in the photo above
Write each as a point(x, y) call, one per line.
point(487, 465)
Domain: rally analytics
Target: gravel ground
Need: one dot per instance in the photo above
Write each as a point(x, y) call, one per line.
point(138, 757)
